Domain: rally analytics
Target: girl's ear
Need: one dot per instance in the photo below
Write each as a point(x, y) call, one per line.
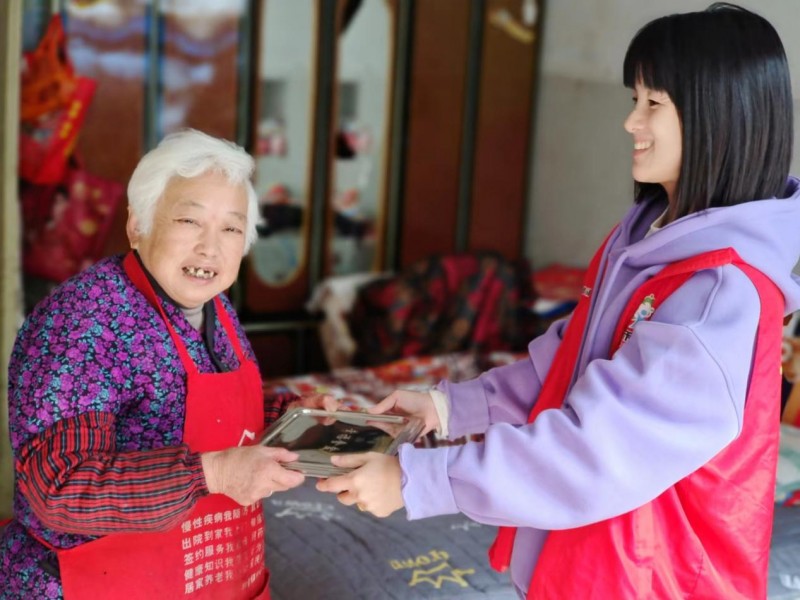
point(132, 229)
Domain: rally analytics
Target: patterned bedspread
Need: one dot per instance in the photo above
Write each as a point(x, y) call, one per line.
point(360, 387)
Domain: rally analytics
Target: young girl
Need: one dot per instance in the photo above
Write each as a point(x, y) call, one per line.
point(634, 450)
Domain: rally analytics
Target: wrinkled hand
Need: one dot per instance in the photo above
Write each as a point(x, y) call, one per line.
point(249, 473)
point(416, 404)
point(374, 485)
point(316, 401)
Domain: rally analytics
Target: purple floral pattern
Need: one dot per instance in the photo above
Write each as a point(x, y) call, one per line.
point(95, 344)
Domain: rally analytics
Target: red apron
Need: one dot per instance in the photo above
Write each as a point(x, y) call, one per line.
point(707, 536)
point(217, 552)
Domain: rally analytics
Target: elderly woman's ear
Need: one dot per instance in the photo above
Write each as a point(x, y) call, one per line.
point(132, 229)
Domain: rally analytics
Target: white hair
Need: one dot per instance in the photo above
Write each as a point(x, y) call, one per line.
point(190, 153)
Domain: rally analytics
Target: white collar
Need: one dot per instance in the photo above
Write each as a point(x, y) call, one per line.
point(657, 224)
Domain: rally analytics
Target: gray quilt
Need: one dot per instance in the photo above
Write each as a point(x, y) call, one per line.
point(318, 548)
point(784, 559)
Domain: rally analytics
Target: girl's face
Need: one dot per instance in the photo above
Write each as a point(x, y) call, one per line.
point(656, 131)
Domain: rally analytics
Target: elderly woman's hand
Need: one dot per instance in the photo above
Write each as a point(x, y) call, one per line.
point(248, 474)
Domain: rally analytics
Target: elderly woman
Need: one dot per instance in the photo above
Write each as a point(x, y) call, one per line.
point(133, 394)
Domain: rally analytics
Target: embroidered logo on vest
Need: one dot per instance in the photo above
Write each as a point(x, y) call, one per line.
point(247, 435)
point(643, 313)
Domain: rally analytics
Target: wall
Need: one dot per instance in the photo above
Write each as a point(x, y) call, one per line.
point(581, 183)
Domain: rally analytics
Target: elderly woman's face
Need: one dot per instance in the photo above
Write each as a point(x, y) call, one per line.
point(196, 244)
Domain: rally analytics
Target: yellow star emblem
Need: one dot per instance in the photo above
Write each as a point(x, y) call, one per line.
point(436, 577)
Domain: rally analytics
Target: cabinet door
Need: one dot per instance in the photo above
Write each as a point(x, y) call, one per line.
point(438, 78)
point(469, 124)
point(198, 72)
point(109, 43)
point(155, 73)
point(276, 271)
point(505, 101)
point(362, 88)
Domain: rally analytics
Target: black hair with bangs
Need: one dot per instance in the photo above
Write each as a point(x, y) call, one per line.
point(726, 71)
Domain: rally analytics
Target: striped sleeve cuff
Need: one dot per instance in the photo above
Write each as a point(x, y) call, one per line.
point(76, 481)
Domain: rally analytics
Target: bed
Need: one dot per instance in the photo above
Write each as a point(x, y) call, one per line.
point(318, 548)
point(784, 560)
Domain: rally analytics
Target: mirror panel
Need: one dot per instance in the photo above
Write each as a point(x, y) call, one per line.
point(283, 128)
point(361, 122)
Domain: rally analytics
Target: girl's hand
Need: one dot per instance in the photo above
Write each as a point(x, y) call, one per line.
point(247, 474)
point(316, 401)
point(415, 404)
point(374, 485)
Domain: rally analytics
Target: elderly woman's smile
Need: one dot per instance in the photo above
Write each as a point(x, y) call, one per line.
point(199, 272)
point(195, 246)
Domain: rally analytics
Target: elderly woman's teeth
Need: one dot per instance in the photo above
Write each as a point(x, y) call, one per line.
point(200, 273)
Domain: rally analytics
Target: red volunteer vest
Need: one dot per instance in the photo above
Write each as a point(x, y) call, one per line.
point(708, 536)
point(217, 552)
